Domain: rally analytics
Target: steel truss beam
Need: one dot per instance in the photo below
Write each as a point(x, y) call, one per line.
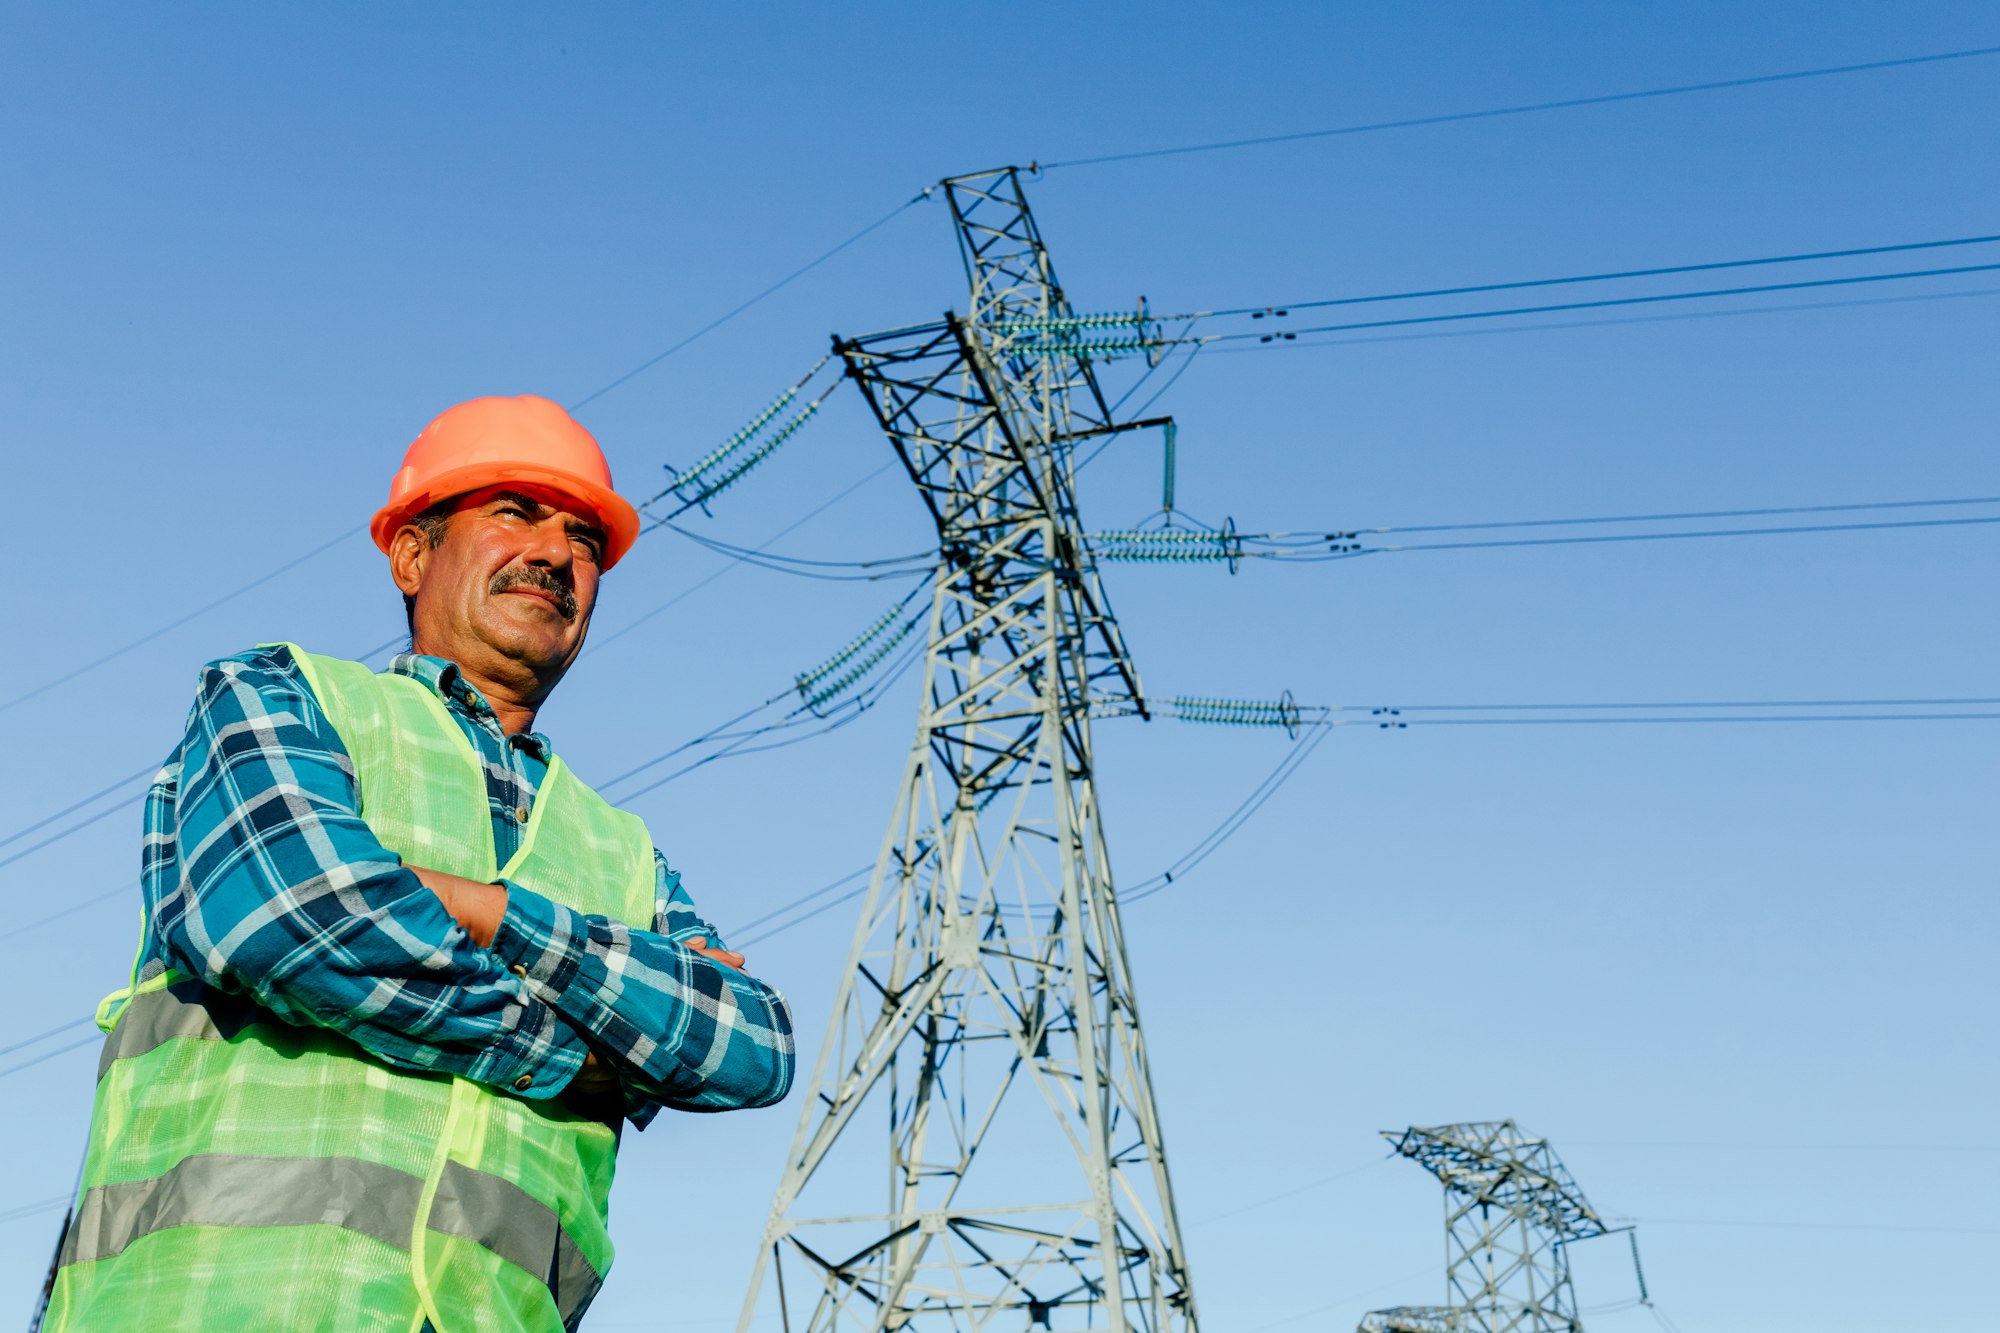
point(988, 1010)
point(1511, 1208)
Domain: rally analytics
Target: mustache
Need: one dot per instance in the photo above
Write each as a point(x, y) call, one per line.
point(534, 576)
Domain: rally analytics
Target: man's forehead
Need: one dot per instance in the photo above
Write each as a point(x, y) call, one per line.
point(541, 498)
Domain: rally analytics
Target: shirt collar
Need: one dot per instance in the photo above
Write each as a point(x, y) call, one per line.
point(447, 682)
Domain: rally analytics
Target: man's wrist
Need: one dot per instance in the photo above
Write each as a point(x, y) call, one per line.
point(476, 906)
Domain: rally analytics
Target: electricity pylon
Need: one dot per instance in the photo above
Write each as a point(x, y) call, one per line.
point(1511, 1210)
point(987, 1010)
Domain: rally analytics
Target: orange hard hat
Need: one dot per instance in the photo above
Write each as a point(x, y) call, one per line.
point(489, 441)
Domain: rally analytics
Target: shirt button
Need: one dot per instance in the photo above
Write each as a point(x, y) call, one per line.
point(523, 1083)
point(520, 814)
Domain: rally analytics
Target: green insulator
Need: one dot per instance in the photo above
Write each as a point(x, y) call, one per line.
point(757, 455)
point(1086, 346)
point(834, 663)
point(736, 441)
point(1237, 712)
point(1069, 323)
point(864, 666)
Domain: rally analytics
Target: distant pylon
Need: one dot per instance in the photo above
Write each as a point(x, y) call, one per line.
point(1511, 1210)
point(987, 1010)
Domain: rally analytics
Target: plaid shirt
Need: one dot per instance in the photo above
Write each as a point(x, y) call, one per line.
point(261, 878)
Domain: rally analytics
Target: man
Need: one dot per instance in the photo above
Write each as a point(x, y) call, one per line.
point(402, 973)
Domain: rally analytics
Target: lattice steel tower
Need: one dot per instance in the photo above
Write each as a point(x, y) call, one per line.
point(1510, 1211)
point(987, 1012)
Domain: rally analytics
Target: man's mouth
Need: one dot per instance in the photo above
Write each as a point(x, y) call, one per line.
point(533, 583)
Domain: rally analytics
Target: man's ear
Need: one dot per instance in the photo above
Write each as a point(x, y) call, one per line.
point(409, 552)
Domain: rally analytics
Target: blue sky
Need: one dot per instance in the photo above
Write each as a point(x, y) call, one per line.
point(247, 252)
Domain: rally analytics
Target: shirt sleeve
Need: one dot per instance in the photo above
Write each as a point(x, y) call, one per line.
point(685, 1031)
point(285, 895)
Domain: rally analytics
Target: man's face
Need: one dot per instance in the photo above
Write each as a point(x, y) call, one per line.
point(515, 576)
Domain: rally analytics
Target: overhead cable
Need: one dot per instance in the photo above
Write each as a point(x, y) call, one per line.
point(39, 1206)
point(772, 290)
point(1160, 341)
point(1556, 326)
point(736, 561)
point(1682, 515)
point(648, 364)
point(1281, 307)
point(92, 1040)
point(1306, 546)
point(1606, 303)
point(74, 806)
point(1811, 1226)
point(58, 1029)
point(75, 672)
point(1679, 536)
point(862, 571)
point(1527, 108)
point(696, 483)
point(130, 886)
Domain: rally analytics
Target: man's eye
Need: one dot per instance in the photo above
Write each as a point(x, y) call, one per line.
point(516, 510)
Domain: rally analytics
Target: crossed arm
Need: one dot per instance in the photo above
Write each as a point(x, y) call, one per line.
point(263, 880)
point(480, 908)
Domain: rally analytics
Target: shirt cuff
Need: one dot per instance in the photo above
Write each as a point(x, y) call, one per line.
point(538, 1058)
point(540, 941)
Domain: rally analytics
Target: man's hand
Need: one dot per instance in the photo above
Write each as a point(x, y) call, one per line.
point(476, 906)
point(723, 956)
point(595, 1079)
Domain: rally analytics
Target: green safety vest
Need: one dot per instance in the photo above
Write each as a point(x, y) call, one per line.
point(247, 1174)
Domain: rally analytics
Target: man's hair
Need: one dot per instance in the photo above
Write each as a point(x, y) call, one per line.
point(431, 522)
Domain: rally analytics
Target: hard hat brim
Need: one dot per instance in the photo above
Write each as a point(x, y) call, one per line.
point(617, 516)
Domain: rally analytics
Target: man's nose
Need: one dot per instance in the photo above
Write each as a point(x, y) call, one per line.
point(549, 544)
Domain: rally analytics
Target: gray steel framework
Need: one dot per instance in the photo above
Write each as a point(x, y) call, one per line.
point(1510, 1211)
point(987, 1011)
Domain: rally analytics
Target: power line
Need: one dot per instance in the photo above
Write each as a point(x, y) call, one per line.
point(1806, 1147)
point(829, 887)
point(1293, 1192)
point(1286, 768)
point(698, 334)
point(738, 556)
point(1675, 704)
point(71, 910)
point(760, 937)
point(851, 710)
point(30, 1209)
point(1490, 113)
point(77, 827)
point(1325, 544)
point(1557, 307)
point(1281, 307)
point(774, 288)
point(1680, 720)
point(116, 653)
point(1683, 515)
point(43, 1036)
point(101, 792)
point(1810, 1226)
point(869, 571)
point(733, 562)
point(1559, 325)
point(108, 811)
point(1344, 1300)
point(1782, 530)
point(78, 1045)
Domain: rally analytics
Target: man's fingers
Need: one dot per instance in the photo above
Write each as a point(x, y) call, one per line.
point(724, 956)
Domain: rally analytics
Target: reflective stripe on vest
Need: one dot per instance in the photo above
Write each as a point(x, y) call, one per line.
point(378, 1201)
point(224, 1140)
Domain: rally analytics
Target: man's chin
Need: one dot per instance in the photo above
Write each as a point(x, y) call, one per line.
point(540, 643)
